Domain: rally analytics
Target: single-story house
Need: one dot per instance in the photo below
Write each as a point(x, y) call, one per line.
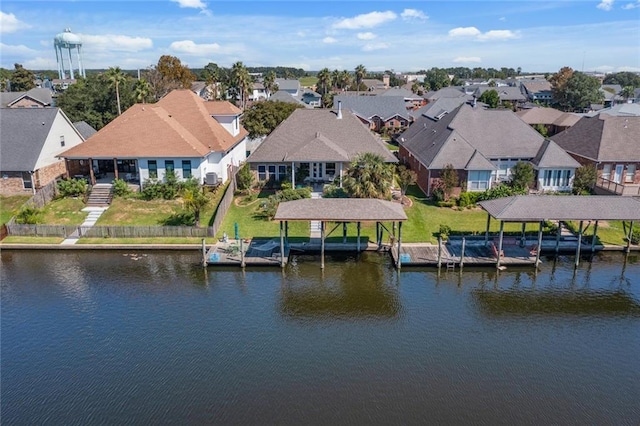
point(377, 112)
point(289, 85)
point(283, 96)
point(30, 141)
point(609, 141)
point(181, 133)
point(537, 90)
point(34, 98)
point(482, 145)
point(315, 146)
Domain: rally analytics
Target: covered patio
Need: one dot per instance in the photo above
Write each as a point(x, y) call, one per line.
point(540, 208)
point(341, 211)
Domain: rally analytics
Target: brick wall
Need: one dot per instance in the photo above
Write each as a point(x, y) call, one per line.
point(13, 184)
point(26, 103)
point(49, 173)
point(414, 164)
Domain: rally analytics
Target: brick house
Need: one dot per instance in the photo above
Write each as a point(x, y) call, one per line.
point(377, 112)
point(482, 145)
point(609, 141)
point(30, 141)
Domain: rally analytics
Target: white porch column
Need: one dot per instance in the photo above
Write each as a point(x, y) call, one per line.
point(341, 174)
point(293, 175)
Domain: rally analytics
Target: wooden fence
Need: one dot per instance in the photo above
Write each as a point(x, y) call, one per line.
point(224, 205)
point(43, 195)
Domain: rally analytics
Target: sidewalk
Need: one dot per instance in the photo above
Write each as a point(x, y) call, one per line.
point(92, 218)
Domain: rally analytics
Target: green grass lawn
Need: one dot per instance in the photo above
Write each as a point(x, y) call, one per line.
point(32, 240)
point(9, 206)
point(308, 81)
point(64, 211)
point(159, 240)
point(609, 232)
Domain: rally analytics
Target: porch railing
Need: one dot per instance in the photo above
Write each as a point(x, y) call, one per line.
point(618, 188)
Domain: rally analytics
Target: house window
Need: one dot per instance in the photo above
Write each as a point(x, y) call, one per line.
point(631, 171)
point(606, 171)
point(168, 166)
point(282, 172)
point(186, 169)
point(262, 172)
point(62, 140)
point(272, 172)
point(478, 180)
point(27, 182)
point(330, 169)
point(153, 169)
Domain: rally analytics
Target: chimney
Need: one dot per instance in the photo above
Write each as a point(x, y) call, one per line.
point(474, 101)
point(339, 116)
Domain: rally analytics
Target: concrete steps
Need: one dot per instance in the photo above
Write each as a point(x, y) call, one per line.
point(101, 195)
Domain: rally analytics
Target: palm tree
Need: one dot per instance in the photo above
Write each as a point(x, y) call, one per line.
point(142, 90)
point(116, 76)
point(335, 77)
point(369, 177)
point(194, 201)
point(627, 92)
point(241, 81)
point(361, 73)
point(269, 82)
point(324, 79)
point(344, 79)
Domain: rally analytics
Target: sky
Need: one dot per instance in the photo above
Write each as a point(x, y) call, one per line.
point(536, 36)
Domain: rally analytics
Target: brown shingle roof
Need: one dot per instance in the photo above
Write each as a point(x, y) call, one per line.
point(179, 125)
point(341, 210)
point(222, 108)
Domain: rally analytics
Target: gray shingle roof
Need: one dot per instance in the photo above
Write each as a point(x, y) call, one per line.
point(39, 94)
point(479, 162)
point(433, 109)
point(367, 107)
point(505, 93)
point(551, 155)
point(603, 138)
point(400, 91)
point(550, 207)
point(287, 84)
point(341, 210)
point(283, 96)
point(85, 129)
point(24, 132)
point(317, 135)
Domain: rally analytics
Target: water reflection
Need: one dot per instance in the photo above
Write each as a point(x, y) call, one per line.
point(347, 288)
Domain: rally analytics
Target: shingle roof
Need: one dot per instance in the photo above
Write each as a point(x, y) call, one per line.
point(283, 96)
point(401, 92)
point(85, 129)
point(535, 208)
point(479, 162)
point(439, 106)
point(457, 135)
point(603, 138)
point(179, 125)
point(317, 135)
point(505, 93)
point(367, 107)
point(287, 84)
point(542, 115)
point(341, 210)
point(448, 92)
point(222, 108)
point(551, 155)
point(24, 132)
point(39, 94)
point(535, 86)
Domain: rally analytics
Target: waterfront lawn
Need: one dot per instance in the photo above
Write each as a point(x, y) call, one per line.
point(64, 211)
point(9, 206)
point(250, 225)
point(154, 240)
point(609, 232)
point(32, 240)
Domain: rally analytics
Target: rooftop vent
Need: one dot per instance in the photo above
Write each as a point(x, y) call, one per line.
point(339, 115)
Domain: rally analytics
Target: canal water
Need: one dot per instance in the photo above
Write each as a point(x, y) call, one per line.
point(152, 338)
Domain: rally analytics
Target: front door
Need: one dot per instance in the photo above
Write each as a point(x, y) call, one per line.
point(617, 177)
point(316, 171)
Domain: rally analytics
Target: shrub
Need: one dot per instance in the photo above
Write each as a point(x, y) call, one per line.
point(72, 187)
point(635, 236)
point(500, 191)
point(468, 199)
point(443, 203)
point(121, 188)
point(28, 215)
point(523, 175)
point(437, 194)
point(285, 184)
point(584, 180)
point(444, 231)
point(245, 177)
point(333, 191)
point(270, 206)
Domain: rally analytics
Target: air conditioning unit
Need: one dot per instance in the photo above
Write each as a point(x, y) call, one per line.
point(211, 178)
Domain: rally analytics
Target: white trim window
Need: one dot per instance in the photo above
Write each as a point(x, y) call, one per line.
point(556, 178)
point(630, 173)
point(478, 180)
point(606, 171)
point(262, 172)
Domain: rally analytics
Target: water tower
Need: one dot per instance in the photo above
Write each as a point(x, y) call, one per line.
point(64, 43)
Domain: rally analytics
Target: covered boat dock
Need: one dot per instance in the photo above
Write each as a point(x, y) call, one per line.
point(541, 208)
point(340, 211)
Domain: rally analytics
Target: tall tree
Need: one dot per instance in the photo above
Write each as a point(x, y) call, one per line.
point(449, 179)
point(559, 83)
point(141, 90)
point(523, 175)
point(263, 117)
point(627, 92)
point(22, 79)
point(324, 79)
point(405, 177)
point(335, 77)
point(167, 75)
point(344, 79)
point(436, 79)
point(269, 83)
point(491, 98)
point(579, 92)
point(241, 81)
point(360, 74)
point(369, 176)
point(115, 77)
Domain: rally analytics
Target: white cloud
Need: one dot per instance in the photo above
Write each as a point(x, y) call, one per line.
point(502, 18)
point(367, 20)
point(366, 36)
point(498, 35)
point(605, 5)
point(408, 14)
point(467, 59)
point(115, 42)
point(40, 63)
point(329, 40)
point(374, 46)
point(190, 47)
point(195, 4)
point(21, 49)
point(479, 35)
point(10, 24)
point(301, 34)
point(630, 6)
point(464, 32)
